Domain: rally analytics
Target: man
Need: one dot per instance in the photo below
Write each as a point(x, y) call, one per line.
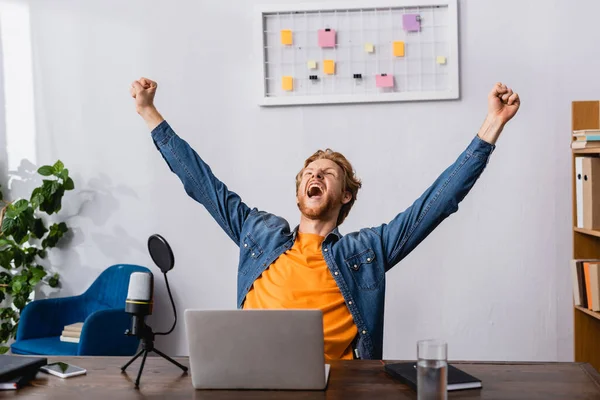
point(313, 265)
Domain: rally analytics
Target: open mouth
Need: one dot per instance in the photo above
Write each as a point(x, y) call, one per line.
point(314, 191)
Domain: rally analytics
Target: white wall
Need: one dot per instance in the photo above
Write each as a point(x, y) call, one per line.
point(492, 280)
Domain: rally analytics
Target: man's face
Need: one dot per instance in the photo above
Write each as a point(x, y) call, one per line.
point(320, 194)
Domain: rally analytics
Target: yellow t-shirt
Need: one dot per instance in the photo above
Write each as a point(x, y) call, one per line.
point(300, 279)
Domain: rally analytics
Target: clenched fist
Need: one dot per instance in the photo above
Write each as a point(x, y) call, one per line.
point(503, 103)
point(143, 91)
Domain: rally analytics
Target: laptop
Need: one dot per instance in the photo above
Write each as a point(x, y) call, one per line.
point(256, 349)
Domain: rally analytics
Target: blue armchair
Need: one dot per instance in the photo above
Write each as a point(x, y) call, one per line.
point(101, 309)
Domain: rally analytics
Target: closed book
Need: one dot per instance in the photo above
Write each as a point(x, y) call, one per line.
point(579, 190)
point(76, 327)
point(584, 145)
point(69, 339)
point(595, 286)
point(71, 334)
point(588, 138)
point(586, 132)
point(12, 366)
point(407, 374)
point(591, 193)
point(575, 283)
point(588, 291)
point(581, 281)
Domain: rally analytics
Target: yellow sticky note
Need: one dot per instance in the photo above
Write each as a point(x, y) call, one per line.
point(369, 47)
point(441, 60)
point(398, 49)
point(329, 67)
point(286, 36)
point(287, 83)
point(311, 64)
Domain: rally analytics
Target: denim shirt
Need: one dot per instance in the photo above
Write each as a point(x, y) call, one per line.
point(358, 261)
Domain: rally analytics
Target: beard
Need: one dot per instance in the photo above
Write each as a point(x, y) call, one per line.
point(315, 211)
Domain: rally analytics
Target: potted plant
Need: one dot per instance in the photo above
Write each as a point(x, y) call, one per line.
point(24, 242)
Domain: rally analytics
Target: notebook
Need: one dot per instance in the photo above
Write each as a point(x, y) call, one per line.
point(16, 366)
point(407, 374)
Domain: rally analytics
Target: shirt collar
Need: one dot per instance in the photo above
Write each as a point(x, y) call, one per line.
point(334, 235)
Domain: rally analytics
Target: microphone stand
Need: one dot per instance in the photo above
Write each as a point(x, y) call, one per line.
point(145, 333)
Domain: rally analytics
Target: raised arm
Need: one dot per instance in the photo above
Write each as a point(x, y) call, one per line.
point(225, 206)
point(441, 199)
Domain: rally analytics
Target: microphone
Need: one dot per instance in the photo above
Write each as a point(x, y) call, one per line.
point(139, 300)
point(139, 303)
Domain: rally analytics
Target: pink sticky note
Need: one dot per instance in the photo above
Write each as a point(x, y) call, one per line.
point(384, 81)
point(411, 22)
point(326, 38)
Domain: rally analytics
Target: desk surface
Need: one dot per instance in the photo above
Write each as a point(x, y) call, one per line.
point(348, 380)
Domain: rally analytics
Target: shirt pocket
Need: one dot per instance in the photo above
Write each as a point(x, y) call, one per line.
point(365, 271)
point(250, 251)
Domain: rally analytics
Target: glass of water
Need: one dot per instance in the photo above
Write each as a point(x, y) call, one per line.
point(432, 370)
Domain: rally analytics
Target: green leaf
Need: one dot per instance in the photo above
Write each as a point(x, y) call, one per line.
point(17, 285)
point(4, 242)
point(58, 167)
point(11, 212)
point(2, 296)
point(3, 349)
point(5, 259)
point(42, 253)
point(20, 302)
point(8, 224)
point(36, 200)
point(64, 174)
point(63, 227)
point(18, 257)
point(21, 205)
point(24, 239)
point(37, 275)
point(38, 229)
point(69, 184)
point(19, 232)
point(5, 278)
point(46, 170)
point(53, 281)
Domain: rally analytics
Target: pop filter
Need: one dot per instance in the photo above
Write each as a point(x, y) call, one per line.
point(161, 253)
point(141, 286)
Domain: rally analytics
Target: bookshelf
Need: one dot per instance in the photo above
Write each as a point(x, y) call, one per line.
point(586, 242)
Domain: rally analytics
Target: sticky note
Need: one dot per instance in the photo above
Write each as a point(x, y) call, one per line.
point(287, 83)
point(329, 67)
point(398, 49)
point(326, 38)
point(286, 36)
point(441, 60)
point(411, 22)
point(311, 64)
point(384, 81)
point(369, 47)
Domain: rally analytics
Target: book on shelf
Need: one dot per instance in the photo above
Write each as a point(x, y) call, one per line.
point(584, 144)
point(585, 275)
point(588, 135)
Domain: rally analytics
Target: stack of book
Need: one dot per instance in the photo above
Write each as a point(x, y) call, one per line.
point(586, 283)
point(71, 333)
point(585, 139)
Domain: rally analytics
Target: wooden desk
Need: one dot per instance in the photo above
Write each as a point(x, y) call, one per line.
point(348, 380)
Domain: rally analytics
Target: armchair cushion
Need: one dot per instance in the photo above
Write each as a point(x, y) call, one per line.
point(51, 346)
